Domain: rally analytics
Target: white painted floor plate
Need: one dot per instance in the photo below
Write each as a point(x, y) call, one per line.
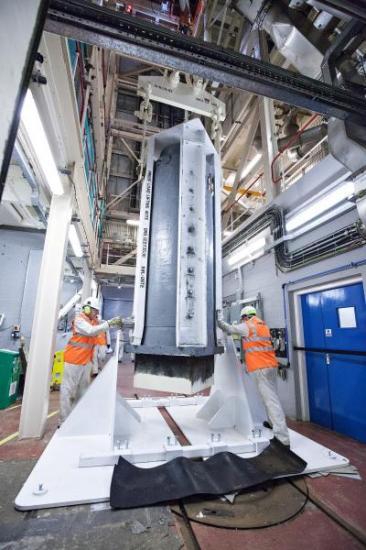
point(66, 483)
point(77, 465)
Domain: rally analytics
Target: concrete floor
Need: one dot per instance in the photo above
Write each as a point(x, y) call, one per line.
point(334, 518)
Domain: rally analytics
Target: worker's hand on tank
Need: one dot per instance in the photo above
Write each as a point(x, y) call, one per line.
point(219, 315)
point(116, 322)
point(221, 324)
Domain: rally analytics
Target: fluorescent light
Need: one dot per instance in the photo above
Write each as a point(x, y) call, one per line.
point(249, 167)
point(228, 233)
point(75, 242)
point(135, 223)
point(329, 200)
point(34, 128)
point(248, 252)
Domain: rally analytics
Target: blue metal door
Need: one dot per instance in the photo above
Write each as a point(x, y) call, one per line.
point(334, 321)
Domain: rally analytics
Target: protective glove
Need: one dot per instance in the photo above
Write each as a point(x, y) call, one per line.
point(219, 315)
point(221, 324)
point(116, 322)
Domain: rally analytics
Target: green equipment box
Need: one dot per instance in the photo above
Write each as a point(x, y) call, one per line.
point(10, 371)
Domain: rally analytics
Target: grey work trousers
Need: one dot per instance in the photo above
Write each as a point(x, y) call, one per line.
point(266, 384)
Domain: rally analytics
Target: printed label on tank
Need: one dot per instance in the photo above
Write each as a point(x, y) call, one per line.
point(328, 332)
point(13, 388)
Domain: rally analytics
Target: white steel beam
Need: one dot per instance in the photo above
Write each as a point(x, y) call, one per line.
point(252, 124)
point(98, 101)
point(269, 144)
point(87, 280)
point(42, 346)
point(60, 117)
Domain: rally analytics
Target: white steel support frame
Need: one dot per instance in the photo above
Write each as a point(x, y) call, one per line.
point(77, 465)
point(42, 346)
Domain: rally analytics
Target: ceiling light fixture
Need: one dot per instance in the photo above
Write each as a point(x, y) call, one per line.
point(251, 250)
point(33, 126)
point(320, 206)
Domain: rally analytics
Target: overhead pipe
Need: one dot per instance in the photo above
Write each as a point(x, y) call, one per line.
point(288, 145)
point(310, 135)
point(200, 8)
point(287, 37)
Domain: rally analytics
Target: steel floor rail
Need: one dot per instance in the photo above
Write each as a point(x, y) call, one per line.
point(133, 37)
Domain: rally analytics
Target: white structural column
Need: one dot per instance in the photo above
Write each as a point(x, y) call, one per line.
point(267, 126)
point(87, 280)
point(269, 144)
point(37, 384)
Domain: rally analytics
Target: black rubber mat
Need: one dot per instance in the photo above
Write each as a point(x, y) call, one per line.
point(183, 477)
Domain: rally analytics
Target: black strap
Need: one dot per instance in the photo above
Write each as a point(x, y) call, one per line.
point(335, 351)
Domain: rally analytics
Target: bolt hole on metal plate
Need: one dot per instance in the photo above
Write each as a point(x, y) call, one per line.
point(266, 505)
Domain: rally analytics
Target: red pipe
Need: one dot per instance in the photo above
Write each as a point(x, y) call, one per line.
point(288, 144)
point(200, 8)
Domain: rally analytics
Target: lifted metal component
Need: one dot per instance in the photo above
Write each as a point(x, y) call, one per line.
point(133, 37)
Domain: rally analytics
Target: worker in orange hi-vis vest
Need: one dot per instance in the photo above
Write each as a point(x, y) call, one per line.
point(260, 360)
point(78, 354)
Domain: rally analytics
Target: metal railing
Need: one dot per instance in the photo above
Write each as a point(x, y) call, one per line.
point(296, 171)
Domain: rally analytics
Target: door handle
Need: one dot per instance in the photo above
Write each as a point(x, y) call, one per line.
point(327, 359)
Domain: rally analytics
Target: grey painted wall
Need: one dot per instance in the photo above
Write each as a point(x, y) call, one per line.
point(262, 276)
point(20, 262)
point(20, 254)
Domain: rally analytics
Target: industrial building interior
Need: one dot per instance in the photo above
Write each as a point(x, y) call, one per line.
point(278, 89)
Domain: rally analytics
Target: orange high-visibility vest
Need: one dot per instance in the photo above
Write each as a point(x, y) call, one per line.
point(258, 348)
point(102, 339)
point(79, 349)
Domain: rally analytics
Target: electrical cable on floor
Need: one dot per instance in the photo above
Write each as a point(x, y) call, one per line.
point(217, 526)
point(187, 523)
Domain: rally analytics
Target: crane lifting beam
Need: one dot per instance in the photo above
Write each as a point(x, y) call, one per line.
point(157, 45)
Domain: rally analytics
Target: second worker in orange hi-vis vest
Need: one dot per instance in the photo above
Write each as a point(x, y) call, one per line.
point(79, 352)
point(260, 360)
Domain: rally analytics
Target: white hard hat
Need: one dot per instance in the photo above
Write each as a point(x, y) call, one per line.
point(248, 311)
point(92, 302)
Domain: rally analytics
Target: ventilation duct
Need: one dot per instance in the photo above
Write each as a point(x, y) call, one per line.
point(289, 40)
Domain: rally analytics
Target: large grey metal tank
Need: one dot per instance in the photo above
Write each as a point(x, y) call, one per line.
point(159, 362)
